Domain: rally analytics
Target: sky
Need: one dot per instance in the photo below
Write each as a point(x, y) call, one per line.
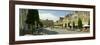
point(52, 14)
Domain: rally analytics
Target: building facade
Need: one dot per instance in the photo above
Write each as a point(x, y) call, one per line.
point(73, 17)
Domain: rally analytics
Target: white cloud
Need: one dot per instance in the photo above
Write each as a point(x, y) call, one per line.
point(48, 16)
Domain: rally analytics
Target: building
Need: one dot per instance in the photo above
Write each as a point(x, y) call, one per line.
point(47, 23)
point(73, 17)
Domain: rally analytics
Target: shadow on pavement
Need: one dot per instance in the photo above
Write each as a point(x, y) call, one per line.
point(46, 31)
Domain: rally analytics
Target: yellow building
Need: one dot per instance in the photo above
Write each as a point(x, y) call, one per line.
point(83, 15)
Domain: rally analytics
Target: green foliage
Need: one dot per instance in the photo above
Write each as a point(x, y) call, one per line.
point(65, 25)
point(41, 25)
point(89, 22)
point(73, 24)
point(68, 24)
point(32, 16)
point(80, 23)
point(32, 19)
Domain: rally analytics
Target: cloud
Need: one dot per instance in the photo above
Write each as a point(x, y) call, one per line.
point(48, 16)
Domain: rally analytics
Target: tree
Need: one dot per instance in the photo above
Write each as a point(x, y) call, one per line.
point(69, 24)
point(80, 23)
point(65, 25)
point(41, 24)
point(73, 24)
point(32, 17)
point(89, 22)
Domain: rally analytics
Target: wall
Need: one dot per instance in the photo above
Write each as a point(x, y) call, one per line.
point(4, 23)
